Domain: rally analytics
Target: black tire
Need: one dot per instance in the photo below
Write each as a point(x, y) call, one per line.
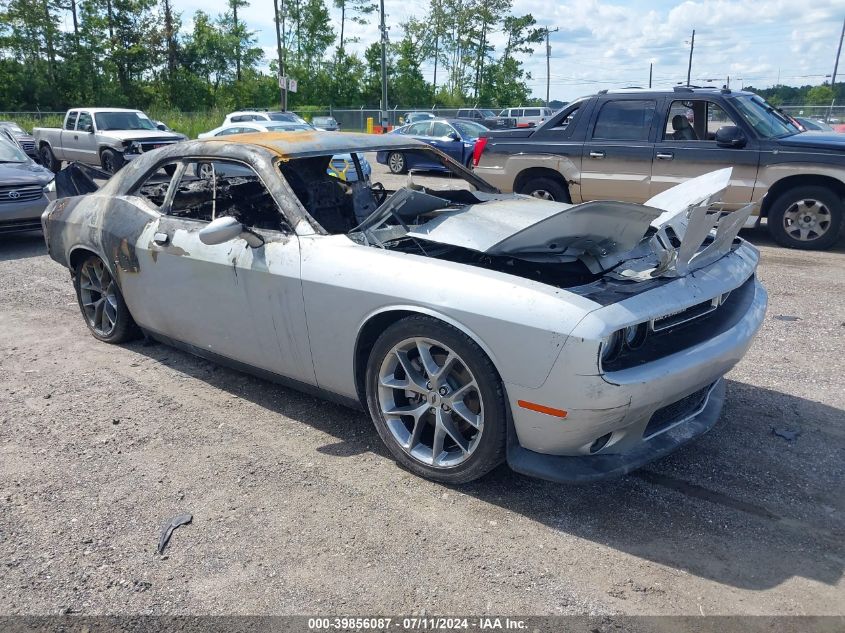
point(124, 328)
point(396, 163)
point(555, 190)
point(489, 451)
point(786, 232)
point(48, 159)
point(111, 161)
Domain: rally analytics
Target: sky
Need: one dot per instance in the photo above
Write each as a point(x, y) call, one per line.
point(610, 43)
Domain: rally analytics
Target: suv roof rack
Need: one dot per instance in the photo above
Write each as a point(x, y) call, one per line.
point(683, 88)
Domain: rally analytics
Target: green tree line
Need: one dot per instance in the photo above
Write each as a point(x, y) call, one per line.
point(821, 95)
point(56, 54)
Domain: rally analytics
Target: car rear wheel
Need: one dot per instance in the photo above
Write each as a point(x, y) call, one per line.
point(809, 218)
point(545, 189)
point(102, 305)
point(436, 400)
point(396, 162)
point(111, 161)
point(48, 159)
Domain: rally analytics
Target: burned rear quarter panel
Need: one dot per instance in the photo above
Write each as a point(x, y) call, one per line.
point(520, 324)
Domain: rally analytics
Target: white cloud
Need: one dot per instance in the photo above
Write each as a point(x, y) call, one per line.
point(610, 43)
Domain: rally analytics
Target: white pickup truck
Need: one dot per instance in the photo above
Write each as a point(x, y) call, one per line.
point(106, 137)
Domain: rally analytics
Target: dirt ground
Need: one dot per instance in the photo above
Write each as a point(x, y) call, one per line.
point(297, 508)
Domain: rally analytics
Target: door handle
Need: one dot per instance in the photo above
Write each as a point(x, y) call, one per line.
point(596, 154)
point(665, 156)
point(161, 238)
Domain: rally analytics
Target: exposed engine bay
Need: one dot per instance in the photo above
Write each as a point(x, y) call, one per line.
point(562, 245)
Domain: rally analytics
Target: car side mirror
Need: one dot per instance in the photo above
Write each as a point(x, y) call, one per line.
point(89, 128)
point(453, 136)
point(730, 136)
point(225, 229)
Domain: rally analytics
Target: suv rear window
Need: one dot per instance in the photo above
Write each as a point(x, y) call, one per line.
point(624, 120)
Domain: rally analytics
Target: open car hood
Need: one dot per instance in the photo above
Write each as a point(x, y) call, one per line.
point(663, 237)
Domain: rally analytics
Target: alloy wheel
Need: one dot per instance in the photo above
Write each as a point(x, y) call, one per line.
point(98, 294)
point(807, 220)
point(396, 162)
point(431, 402)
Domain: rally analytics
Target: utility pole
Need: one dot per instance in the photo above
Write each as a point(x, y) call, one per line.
point(383, 30)
point(283, 82)
point(548, 62)
point(838, 52)
point(650, 69)
point(691, 47)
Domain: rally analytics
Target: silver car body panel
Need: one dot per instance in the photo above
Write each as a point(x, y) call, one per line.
point(296, 307)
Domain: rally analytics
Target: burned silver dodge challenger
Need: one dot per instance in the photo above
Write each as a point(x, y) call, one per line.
point(574, 341)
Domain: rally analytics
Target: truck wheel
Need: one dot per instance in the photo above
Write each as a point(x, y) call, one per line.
point(545, 189)
point(111, 161)
point(809, 218)
point(48, 159)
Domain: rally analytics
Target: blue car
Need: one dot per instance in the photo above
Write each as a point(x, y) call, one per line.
point(454, 137)
point(341, 166)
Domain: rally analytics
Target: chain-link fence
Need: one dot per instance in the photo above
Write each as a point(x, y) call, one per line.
point(834, 114)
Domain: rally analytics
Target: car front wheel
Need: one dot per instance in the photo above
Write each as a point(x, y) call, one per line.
point(809, 218)
point(101, 303)
point(396, 162)
point(436, 400)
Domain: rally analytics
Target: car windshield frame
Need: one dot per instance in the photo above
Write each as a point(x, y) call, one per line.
point(14, 127)
point(293, 127)
point(281, 117)
point(465, 127)
point(11, 153)
point(118, 121)
point(766, 120)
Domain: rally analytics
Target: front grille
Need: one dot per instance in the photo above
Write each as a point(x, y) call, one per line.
point(679, 410)
point(673, 333)
point(28, 146)
point(23, 193)
point(148, 147)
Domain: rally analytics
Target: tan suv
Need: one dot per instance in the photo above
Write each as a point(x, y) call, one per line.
point(632, 144)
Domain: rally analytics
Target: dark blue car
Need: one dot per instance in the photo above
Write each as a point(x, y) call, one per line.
point(454, 137)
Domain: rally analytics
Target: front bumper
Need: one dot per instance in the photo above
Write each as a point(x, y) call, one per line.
point(618, 420)
point(589, 468)
point(22, 216)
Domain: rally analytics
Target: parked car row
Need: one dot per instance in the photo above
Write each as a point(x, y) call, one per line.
point(622, 145)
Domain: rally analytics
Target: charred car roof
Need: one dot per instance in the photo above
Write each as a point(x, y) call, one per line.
point(301, 144)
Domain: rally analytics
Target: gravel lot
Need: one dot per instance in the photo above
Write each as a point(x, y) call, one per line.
point(298, 508)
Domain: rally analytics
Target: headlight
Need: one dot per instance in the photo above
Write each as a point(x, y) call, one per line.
point(611, 346)
point(134, 147)
point(50, 186)
point(635, 335)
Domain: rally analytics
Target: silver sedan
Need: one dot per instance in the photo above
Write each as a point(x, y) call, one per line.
point(574, 342)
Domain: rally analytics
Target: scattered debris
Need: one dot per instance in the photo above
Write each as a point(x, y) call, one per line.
point(788, 434)
point(787, 317)
point(180, 519)
point(115, 420)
